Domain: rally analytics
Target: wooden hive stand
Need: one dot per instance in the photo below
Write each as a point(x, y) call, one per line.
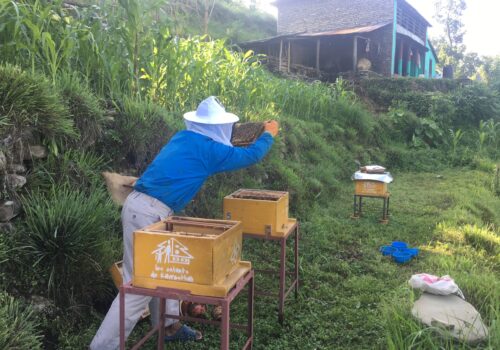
point(371, 189)
point(264, 215)
point(193, 260)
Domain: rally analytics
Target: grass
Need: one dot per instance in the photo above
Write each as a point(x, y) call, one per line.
point(67, 239)
point(18, 325)
point(353, 298)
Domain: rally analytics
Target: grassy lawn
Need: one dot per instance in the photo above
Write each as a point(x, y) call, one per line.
point(353, 298)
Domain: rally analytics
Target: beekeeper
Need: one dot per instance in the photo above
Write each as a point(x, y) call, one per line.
point(167, 186)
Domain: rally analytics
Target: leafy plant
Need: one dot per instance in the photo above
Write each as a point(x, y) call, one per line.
point(496, 180)
point(429, 132)
point(456, 137)
point(69, 240)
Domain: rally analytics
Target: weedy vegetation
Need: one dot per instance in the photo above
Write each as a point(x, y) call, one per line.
point(105, 87)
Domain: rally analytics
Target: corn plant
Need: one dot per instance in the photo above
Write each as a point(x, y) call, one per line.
point(456, 137)
point(496, 180)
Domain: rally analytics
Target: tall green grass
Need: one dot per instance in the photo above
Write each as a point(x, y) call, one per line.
point(85, 110)
point(69, 240)
point(30, 104)
point(18, 325)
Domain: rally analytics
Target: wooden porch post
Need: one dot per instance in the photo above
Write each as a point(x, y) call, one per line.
point(400, 58)
point(289, 54)
point(355, 55)
point(318, 43)
point(409, 72)
point(281, 54)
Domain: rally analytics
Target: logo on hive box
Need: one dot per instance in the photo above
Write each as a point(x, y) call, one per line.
point(172, 252)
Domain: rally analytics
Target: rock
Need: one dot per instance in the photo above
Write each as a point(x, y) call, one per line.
point(14, 181)
point(42, 305)
point(6, 227)
point(16, 169)
point(3, 161)
point(36, 152)
point(451, 316)
point(6, 142)
point(8, 210)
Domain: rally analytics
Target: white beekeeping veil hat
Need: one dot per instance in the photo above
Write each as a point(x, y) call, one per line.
point(211, 120)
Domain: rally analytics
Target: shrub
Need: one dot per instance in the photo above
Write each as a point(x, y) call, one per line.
point(139, 132)
point(85, 109)
point(69, 239)
point(18, 327)
point(29, 102)
point(475, 103)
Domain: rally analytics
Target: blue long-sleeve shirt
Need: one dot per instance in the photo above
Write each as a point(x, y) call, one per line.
point(182, 166)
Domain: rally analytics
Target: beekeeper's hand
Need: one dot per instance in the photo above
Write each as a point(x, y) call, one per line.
point(272, 127)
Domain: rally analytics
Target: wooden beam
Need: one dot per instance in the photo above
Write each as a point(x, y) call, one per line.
point(355, 55)
point(318, 43)
point(281, 54)
point(289, 54)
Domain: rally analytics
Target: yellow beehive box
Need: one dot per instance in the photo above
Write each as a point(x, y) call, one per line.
point(370, 188)
point(199, 255)
point(262, 212)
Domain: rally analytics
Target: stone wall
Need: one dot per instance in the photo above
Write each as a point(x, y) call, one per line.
point(15, 155)
point(325, 15)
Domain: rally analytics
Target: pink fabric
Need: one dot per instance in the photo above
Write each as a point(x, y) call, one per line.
point(430, 279)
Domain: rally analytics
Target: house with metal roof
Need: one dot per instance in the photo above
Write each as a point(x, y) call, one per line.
point(330, 38)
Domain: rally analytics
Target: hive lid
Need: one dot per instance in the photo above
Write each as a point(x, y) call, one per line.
point(385, 177)
point(451, 316)
point(259, 194)
point(191, 227)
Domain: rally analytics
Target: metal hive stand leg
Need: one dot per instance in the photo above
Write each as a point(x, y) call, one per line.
point(297, 262)
point(224, 327)
point(281, 307)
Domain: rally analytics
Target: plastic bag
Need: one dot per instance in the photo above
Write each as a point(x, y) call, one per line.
point(444, 285)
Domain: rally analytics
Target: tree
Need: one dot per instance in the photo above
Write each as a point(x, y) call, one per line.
point(209, 8)
point(450, 45)
point(490, 72)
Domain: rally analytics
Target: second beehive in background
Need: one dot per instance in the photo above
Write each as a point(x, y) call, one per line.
point(262, 212)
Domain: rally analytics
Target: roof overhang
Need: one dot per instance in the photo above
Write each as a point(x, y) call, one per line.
point(347, 31)
point(406, 32)
point(305, 35)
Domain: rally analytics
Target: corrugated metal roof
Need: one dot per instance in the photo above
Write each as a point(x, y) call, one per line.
point(266, 40)
point(356, 30)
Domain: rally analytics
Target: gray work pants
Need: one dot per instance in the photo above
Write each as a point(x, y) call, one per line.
point(139, 210)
